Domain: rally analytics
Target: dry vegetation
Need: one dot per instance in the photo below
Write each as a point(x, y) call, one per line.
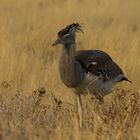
point(28, 63)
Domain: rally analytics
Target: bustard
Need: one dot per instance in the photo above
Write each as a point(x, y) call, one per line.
point(84, 71)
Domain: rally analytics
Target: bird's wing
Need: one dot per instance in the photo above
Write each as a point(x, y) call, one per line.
point(100, 64)
point(85, 57)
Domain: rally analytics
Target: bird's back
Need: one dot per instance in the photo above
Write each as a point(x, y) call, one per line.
point(87, 56)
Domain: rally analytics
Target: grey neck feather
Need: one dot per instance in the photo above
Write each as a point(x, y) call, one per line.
point(70, 70)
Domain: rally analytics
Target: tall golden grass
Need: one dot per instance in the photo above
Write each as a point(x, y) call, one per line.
point(28, 62)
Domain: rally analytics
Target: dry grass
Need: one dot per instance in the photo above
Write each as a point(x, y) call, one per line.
point(27, 30)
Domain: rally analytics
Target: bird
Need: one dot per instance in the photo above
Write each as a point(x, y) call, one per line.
point(85, 71)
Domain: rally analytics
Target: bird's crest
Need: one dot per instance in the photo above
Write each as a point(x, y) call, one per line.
point(69, 28)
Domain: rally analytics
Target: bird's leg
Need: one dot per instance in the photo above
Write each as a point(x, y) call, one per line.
point(80, 115)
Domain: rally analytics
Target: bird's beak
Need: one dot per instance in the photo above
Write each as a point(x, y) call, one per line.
point(56, 42)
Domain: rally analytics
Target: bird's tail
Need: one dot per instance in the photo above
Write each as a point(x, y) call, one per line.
point(125, 79)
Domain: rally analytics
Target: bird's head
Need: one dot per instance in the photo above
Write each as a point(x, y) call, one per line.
point(67, 35)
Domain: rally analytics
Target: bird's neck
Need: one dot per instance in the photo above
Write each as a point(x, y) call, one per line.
point(70, 70)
